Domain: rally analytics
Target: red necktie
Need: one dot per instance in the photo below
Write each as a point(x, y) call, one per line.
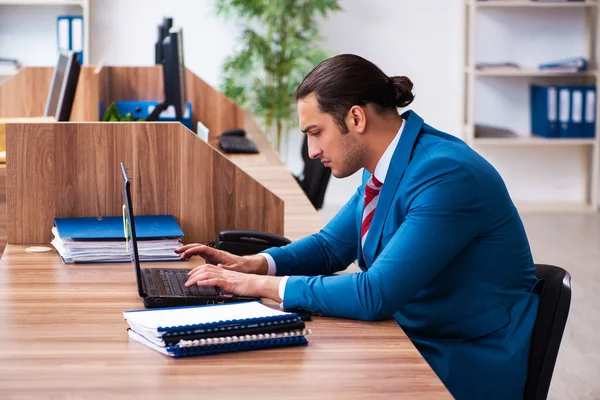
point(372, 189)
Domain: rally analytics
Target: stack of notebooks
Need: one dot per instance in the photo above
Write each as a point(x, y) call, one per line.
point(201, 330)
point(101, 240)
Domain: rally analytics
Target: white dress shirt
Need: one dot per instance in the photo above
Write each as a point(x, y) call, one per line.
point(380, 173)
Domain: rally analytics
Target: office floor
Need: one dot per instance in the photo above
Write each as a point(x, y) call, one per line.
point(571, 241)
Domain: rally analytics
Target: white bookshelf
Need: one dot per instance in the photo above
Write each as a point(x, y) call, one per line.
point(589, 149)
point(531, 3)
point(81, 3)
point(530, 72)
point(51, 9)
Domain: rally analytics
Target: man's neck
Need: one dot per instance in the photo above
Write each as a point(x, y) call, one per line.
point(381, 135)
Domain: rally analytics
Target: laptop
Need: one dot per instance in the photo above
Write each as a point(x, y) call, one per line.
point(164, 287)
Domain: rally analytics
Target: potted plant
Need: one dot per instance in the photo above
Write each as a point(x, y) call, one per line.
point(278, 47)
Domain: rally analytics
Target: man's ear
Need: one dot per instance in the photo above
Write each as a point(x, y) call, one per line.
point(356, 119)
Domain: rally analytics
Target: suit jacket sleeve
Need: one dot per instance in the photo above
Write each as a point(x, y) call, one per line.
point(444, 215)
point(331, 250)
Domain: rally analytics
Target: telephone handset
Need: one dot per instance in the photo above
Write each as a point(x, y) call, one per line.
point(245, 242)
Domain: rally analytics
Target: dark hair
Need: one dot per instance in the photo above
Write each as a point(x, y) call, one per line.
point(347, 80)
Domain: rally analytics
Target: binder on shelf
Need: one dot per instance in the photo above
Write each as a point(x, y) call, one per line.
point(575, 129)
point(575, 64)
point(544, 111)
point(199, 330)
point(589, 123)
point(70, 34)
point(564, 111)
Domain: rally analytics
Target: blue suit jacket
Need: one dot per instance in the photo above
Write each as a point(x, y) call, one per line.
point(446, 256)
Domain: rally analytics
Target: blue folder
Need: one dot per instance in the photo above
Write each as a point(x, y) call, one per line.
point(544, 111)
point(575, 129)
point(111, 228)
point(589, 119)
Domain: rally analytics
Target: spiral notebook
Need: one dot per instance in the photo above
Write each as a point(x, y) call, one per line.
point(198, 330)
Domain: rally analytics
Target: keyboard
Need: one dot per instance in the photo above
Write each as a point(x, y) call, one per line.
point(174, 283)
point(237, 144)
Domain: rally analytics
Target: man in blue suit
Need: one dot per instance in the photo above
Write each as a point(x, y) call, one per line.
point(440, 244)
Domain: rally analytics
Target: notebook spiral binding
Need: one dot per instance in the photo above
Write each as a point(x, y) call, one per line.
point(243, 338)
point(240, 346)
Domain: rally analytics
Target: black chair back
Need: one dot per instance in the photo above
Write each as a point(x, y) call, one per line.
point(314, 178)
point(548, 330)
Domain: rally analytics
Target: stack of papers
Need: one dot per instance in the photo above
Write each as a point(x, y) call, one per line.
point(99, 240)
point(199, 330)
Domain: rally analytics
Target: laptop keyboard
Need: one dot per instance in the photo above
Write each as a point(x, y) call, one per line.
point(174, 283)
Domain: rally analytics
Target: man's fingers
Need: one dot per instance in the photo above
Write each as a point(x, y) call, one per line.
point(187, 246)
point(213, 282)
point(202, 269)
point(200, 276)
point(202, 251)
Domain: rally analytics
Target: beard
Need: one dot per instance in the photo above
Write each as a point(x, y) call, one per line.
point(352, 151)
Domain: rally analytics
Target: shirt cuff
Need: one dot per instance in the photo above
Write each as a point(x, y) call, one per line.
point(282, 284)
point(271, 263)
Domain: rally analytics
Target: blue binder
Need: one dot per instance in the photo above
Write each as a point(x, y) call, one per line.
point(69, 34)
point(564, 111)
point(111, 228)
point(575, 129)
point(589, 119)
point(544, 111)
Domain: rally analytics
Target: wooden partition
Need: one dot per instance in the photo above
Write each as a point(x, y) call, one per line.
point(72, 170)
point(25, 94)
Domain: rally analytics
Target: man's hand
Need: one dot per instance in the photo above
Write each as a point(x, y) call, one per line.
point(247, 264)
point(237, 283)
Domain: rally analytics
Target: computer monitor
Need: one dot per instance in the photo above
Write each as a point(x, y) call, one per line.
point(163, 32)
point(63, 87)
point(173, 76)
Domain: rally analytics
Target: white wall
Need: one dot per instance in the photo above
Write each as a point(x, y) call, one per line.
point(124, 33)
point(422, 39)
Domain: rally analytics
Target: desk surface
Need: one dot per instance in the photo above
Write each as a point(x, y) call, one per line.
point(62, 334)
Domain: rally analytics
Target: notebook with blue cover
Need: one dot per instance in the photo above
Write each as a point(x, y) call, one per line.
point(111, 228)
point(198, 330)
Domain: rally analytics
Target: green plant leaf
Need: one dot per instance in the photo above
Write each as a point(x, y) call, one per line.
point(278, 47)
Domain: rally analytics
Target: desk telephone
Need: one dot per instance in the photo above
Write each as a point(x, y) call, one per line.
point(245, 242)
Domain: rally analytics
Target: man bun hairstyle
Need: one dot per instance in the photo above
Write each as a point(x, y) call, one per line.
point(402, 87)
point(347, 80)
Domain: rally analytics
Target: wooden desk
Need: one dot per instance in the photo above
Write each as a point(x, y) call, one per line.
point(62, 334)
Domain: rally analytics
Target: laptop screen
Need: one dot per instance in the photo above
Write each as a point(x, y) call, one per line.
point(129, 230)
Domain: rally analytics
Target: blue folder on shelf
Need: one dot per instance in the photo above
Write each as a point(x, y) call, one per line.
point(564, 111)
point(575, 64)
point(111, 228)
point(575, 129)
point(544, 111)
point(69, 34)
point(589, 111)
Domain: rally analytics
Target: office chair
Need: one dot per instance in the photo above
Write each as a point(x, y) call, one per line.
point(548, 329)
point(314, 177)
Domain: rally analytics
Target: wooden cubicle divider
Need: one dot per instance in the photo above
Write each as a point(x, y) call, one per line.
point(72, 170)
point(25, 94)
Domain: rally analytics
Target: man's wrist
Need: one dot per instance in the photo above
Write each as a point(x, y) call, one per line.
point(270, 288)
point(258, 264)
